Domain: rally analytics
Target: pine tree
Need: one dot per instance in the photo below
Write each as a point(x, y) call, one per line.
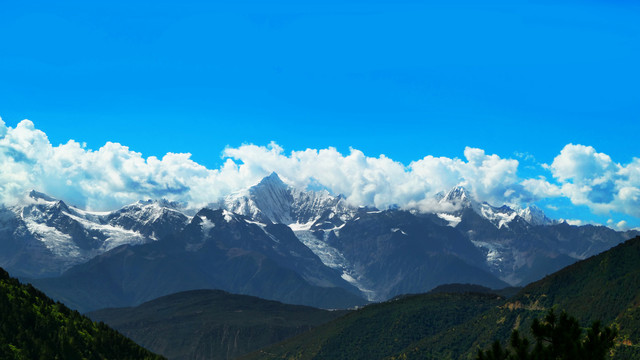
point(557, 337)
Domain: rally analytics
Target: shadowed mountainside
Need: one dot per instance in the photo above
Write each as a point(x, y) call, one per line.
point(604, 287)
point(211, 324)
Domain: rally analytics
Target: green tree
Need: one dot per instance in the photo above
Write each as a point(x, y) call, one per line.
point(557, 337)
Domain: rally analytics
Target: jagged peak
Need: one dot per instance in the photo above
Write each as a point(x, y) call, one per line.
point(535, 216)
point(39, 198)
point(273, 200)
point(532, 209)
point(36, 195)
point(163, 203)
point(271, 184)
point(459, 195)
point(272, 179)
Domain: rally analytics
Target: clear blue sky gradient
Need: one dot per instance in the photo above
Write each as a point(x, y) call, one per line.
point(400, 78)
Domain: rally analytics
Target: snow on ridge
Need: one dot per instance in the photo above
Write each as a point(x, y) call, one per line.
point(398, 230)
point(369, 294)
point(91, 213)
point(206, 225)
point(72, 235)
point(228, 216)
point(534, 216)
point(458, 198)
point(494, 254)
point(334, 259)
point(300, 227)
point(452, 219)
point(57, 242)
point(272, 200)
point(115, 235)
point(497, 217)
point(262, 225)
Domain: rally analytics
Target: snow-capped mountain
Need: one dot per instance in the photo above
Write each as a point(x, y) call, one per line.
point(312, 215)
point(517, 244)
point(153, 219)
point(217, 249)
point(315, 239)
point(535, 216)
point(45, 236)
point(273, 201)
point(459, 199)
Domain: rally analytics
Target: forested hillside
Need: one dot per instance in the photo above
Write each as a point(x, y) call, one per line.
point(212, 324)
point(381, 330)
point(32, 326)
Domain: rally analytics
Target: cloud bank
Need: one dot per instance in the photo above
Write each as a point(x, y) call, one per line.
point(590, 178)
point(115, 175)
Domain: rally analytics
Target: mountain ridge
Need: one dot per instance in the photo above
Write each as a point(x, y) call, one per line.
point(603, 287)
point(317, 238)
point(211, 324)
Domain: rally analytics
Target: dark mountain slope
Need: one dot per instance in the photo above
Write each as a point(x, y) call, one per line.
point(32, 326)
point(604, 287)
point(211, 324)
point(382, 329)
point(397, 252)
point(317, 242)
point(217, 250)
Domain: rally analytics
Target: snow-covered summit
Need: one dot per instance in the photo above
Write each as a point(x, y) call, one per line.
point(38, 196)
point(458, 195)
point(535, 216)
point(53, 236)
point(458, 199)
point(273, 201)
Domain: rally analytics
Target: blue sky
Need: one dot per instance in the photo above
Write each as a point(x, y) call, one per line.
point(406, 79)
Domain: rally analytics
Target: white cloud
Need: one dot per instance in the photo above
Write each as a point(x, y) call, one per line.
point(488, 177)
point(593, 179)
point(381, 181)
point(574, 222)
point(620, 225)
point(582, 163)
point(114, 175)
point(540, 188)
point(107, 178)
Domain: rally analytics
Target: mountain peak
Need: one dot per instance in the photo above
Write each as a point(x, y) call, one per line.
point(458, 195)
point(162, 203)
point(274, 201)
point(272, 180)
point(534, 215)
point(36, 195)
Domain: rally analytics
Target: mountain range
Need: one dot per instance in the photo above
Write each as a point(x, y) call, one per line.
point(446, 325)
point(279, 242)
point(44, 236)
